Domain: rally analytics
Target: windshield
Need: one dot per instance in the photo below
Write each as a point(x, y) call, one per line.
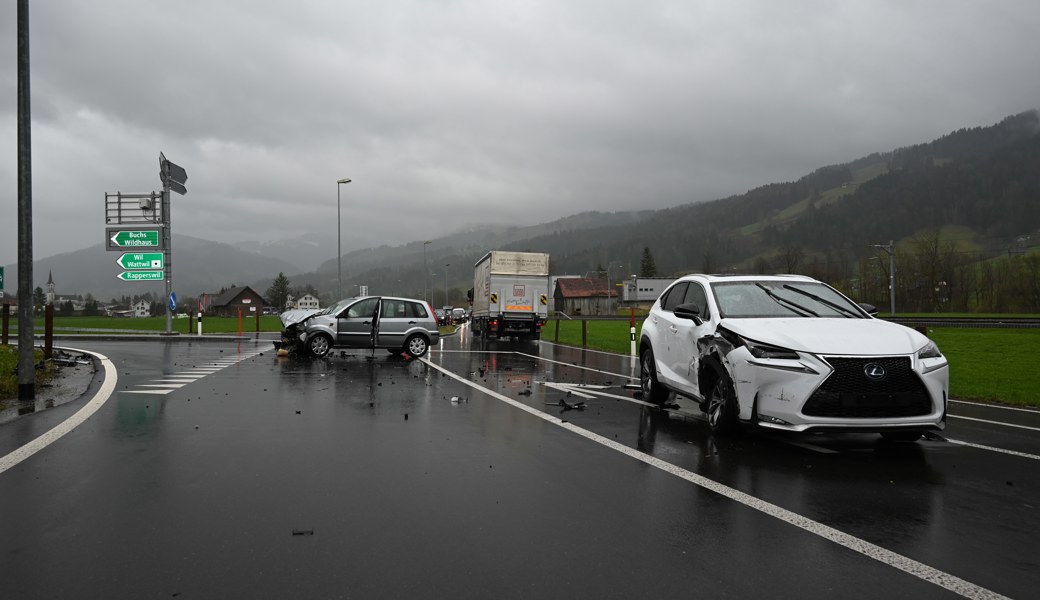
point(335, 308)
point(770, 298)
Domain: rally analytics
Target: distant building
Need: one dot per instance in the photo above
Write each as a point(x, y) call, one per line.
point(307, 301)
point(586, 296)
point(237, 300)
point(644, 290)
point(141, 308)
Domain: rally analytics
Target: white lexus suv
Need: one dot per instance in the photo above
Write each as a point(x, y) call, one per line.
point(790, 352)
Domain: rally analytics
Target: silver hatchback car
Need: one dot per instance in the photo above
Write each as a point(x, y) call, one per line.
point(402, 325)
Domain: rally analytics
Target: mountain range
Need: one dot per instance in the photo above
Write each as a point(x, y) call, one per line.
point(981, 186)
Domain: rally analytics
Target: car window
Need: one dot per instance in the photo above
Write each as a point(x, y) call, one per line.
point(695, 295)
point(771, 298)
point(394, 309)
point(674, 296)
point(364, 308)
point(416, 310)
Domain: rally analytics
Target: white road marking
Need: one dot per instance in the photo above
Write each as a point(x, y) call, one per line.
point(1001, 407)
point(99, 399)
point(172, 386)
point(629, 356)
point(994, 422)
point(576, 366)
point(163, 392)
point(994, 449)
point(917, 569)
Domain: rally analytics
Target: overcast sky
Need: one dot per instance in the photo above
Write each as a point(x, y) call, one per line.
point(446, 113)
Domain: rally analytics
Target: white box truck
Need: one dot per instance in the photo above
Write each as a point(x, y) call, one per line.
point(510, 294)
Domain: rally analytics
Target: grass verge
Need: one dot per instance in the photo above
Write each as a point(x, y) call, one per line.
point(8, 378)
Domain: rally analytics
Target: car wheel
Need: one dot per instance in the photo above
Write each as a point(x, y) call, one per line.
point(901, 436)
point(722, 407)
point(653, 391)
point(320, 345)
point(416, 346)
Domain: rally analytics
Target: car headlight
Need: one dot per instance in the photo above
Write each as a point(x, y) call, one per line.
point(930, 350)
point(760, 350)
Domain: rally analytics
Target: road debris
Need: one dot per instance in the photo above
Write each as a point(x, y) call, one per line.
point(567, 406)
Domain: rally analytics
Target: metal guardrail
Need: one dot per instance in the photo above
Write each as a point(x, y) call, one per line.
point(980, 322)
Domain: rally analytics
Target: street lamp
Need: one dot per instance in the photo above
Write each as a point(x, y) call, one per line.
point(339, 249)
point(891, 250)
point(446, 265)
point(426, 272)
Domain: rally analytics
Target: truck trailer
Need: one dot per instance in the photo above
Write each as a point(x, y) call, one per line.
point(510, 295)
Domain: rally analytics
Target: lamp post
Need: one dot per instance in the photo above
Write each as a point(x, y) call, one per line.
point(339, 250)
point(446, 265)
point(426, 272)
point(891, 250)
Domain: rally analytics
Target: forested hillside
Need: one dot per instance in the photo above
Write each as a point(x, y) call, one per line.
point(963, 211)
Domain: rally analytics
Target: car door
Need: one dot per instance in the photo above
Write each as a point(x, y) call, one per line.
point(356, 325)
point(665, 352)
point(395, 319)
point(688, 333)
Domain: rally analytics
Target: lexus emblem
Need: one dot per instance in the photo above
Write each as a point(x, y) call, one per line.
point(874, 371)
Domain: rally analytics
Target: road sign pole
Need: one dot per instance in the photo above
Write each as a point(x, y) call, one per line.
point(167, 254)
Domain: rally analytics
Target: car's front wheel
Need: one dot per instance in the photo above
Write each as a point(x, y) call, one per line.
point(723, 413)
point(417, 346)
point(653, 391)
point(320, 345)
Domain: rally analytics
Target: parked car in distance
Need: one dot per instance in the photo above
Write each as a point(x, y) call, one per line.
point(398, 324)
point(792, 353)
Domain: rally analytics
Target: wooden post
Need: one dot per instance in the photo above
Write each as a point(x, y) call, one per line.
point(48, 330)
point(584, 333)
point(240, 321)
point(189, 321)
point(557, 330)
point(5, 322)
point(258, 319)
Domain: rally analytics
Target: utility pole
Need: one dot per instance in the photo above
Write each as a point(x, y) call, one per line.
point(891, 250)
point(426, 272)
point(26, 364)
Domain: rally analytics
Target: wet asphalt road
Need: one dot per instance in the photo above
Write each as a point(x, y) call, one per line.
point(372, 476)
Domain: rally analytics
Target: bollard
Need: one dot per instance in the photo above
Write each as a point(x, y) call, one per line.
point(240, 321)
point(584, 334)
point(557, 330)
point(632, 334)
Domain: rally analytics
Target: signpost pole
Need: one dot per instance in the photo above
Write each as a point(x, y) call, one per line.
point(167, 253)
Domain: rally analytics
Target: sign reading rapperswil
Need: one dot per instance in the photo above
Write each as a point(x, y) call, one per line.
point(145, 238)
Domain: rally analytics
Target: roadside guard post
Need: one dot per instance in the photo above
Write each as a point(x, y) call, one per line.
point(632, 334)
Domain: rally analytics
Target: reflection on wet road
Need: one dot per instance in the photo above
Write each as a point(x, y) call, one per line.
point(495, 469)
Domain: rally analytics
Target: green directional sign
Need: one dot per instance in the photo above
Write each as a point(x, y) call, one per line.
point(145, 238)
point(141, 260)
point(141, 275)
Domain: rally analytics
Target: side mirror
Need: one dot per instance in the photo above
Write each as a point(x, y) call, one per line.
point(870, 308)
point(689, 311)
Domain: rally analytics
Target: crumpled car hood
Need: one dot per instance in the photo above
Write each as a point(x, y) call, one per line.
point(831, 336)
point(297, 315)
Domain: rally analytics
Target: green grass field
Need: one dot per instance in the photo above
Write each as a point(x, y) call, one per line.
point(990, 365)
